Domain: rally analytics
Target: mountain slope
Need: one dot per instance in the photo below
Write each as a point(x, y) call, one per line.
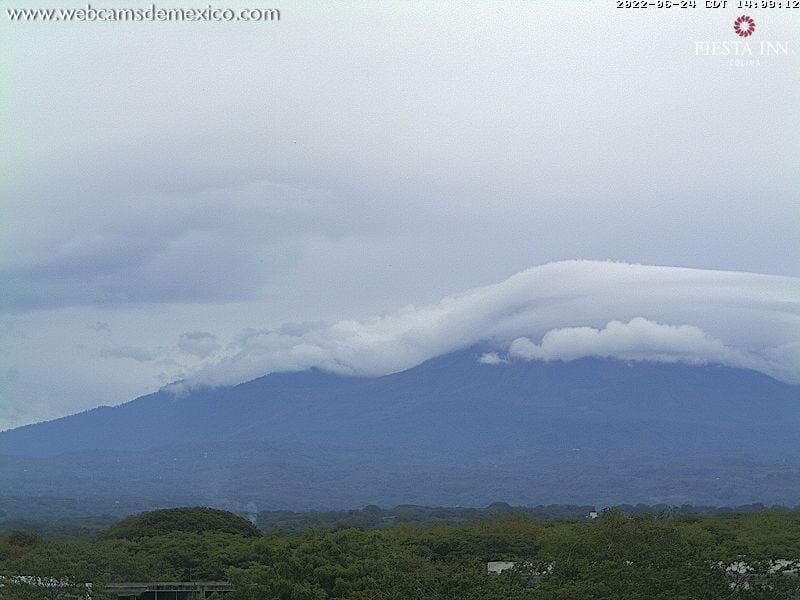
point(451, 430)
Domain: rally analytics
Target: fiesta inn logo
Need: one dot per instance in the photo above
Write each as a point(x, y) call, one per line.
point(744, 26)
point(742, 51)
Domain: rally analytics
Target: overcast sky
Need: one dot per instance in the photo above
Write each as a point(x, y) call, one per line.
point(173, 195)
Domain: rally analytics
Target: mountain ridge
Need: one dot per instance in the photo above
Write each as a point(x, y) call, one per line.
point(461, 430)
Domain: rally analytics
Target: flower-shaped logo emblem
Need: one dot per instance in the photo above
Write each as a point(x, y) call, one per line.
point(744, 26)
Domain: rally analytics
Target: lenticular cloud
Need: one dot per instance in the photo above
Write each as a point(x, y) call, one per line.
point(557, 311)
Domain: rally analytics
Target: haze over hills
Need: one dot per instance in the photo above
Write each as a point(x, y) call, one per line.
point(452, 430)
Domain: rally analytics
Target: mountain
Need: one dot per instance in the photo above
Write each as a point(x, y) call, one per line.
point(449, 431)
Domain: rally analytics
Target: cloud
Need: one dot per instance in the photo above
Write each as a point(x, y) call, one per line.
point(639, 339)
point(574, 308)
point(129, 352)
point(303, 197)
point(492, 358)
point(132, 248)
point(199, 343)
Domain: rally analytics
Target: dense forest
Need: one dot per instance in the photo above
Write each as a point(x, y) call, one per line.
point(666, 555)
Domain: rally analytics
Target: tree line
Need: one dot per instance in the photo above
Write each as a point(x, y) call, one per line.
point(620, 556)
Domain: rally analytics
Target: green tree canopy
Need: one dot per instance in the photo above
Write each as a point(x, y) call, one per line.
point(187, 520)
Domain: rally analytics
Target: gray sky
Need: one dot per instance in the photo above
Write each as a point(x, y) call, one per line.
point(171, 191)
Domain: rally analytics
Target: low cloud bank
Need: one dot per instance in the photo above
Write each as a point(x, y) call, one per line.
point(637, 340)
point(557, 311)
